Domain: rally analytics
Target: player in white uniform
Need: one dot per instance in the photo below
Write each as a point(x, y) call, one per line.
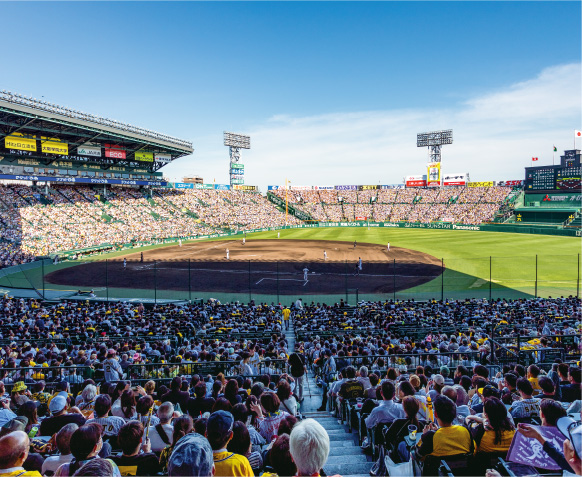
point(388, 247)
point(227, 254)
point(278, 234)
point(324, 255)
point(305, 272)
point(124, 263)
point(179, 242)
point(359, 264)
point(244, 240)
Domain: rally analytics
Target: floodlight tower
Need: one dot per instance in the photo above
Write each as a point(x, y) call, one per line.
point(434, 141)
point(235, 143)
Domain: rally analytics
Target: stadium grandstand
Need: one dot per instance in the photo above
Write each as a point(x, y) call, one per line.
point(103, 371)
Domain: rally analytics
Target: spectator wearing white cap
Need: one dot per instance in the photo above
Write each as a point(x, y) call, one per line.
point(61, 416)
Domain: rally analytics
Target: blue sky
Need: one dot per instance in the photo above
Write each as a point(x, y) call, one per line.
point(330, 92)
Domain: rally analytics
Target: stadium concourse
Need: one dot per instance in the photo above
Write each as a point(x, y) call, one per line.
point(258, 389)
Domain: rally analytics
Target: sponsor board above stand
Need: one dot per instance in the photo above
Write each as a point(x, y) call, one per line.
point(80, 180)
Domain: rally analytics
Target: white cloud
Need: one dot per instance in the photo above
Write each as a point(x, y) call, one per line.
point(495, 136)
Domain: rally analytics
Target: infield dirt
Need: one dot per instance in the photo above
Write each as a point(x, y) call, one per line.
point(260, 266)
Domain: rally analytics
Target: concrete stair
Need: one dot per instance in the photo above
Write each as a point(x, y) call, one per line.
point(345, 456)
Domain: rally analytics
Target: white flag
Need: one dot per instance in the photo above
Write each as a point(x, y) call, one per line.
point(578, 133)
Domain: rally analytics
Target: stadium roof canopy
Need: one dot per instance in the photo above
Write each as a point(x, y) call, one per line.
point(133, 146)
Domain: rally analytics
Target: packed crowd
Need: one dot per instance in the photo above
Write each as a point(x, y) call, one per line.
point(467, 205)
point(38, 221)
point(72, 401)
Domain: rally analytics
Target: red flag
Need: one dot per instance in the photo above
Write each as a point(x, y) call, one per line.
point(534, 158)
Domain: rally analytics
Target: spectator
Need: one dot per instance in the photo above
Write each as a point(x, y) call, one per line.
point(111, 424)
point(387, 411)
point(192, 456)
point(309, 447)
point(526, 407)
point(125, 406)
point(96, 467)
point(175, 395)
point(182, 426)
point(200, 404)
point(132, 462)
point(63, 442)
point(570, 392)
point(219, 432)
point(494, 431)
point(280, 459)
point(288, 401)
point(160, 435)
point(13, 452)
point(550, 412)
point(269, 422)
point(241, 444)
point(60, 417)
point(86, 444)
point(446, 439)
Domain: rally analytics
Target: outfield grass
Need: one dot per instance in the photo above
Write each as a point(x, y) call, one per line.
point(469, 258)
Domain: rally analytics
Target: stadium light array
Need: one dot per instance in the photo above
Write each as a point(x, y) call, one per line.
point(30, 102)
point(434, 138)
point(237, 140)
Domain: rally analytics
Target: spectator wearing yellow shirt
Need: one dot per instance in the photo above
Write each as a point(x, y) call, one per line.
point(533, 373)
point(286, 314)
point(219, 432)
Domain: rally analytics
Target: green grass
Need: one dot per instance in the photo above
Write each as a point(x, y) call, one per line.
point(469, 257)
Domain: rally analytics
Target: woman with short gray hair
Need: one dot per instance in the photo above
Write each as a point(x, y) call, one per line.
point(309, 446)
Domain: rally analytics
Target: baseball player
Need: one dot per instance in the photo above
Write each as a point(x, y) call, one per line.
point(305, 272)
point(124, 263)
point(179, 242)
point(278, 234)
point(227, 254)
point(388, 247)
point(244, 240)
point(355, 243)
point(359, 264)
point(324, 255)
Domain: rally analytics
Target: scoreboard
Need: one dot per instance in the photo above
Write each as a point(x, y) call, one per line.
point(565, 177)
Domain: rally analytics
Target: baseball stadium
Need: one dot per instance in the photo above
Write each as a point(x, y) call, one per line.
point(176, 316)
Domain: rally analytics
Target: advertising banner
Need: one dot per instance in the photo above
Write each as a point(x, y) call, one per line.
point(144, 156)
point(274, 187)
point(346, 187)
point(17, 141)
point(323, 188)
point(203, 186)
point(54, 146)
point(114, 152)
point(515, 183)
point(480, 184)
point(80, 180)
point(299, 187)
point(163, 158)
point(89, 150)
point(238, 181)
point(222, 186)
point(238, 172)
point(393, 186)
point(368, 187)
point(245, 187)
point(434, 174)
point(456, 179)
point(415, 181)
point(183, 185)
point(237, 166)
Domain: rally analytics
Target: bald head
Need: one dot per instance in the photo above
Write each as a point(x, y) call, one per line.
point(13, 449)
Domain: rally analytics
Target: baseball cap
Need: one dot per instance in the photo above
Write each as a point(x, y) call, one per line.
point(220, 423)
point(17, 424)
point(192, 456)
point(57, 404)
point(573, 431)
point(438, 379)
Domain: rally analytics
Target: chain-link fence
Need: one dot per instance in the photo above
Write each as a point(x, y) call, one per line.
point(286, 281)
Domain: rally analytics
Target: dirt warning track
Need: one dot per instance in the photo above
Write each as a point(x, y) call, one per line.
point(260, 266)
